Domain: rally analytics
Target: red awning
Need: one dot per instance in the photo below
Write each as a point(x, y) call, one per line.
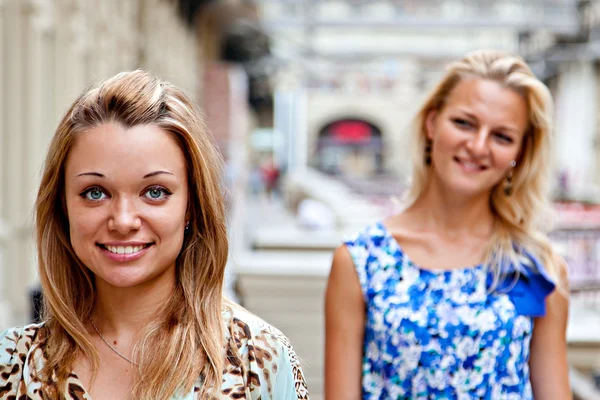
point(350, 131)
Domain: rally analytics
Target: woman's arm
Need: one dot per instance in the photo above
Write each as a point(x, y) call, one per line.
point(344, 330)
point(548, 359)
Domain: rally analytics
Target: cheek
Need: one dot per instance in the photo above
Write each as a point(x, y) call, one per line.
point(82, 232)
point(444, 147)
point(168, 220)
point(446, 136)
point(505, 156)
point(81, 221)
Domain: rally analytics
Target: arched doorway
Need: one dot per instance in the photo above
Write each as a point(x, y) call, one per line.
point(350, 147)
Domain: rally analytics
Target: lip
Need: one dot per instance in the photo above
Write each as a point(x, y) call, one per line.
point(125, 243)
point(124, 257)
point(475, 166)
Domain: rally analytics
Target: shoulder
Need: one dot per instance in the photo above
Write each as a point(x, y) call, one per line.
point(17, 341)
point(267, 354)
point(541, 274)
point(528, 284)
point(372, 233)
point(365, 246)
point(16, 344)
point(246, 326)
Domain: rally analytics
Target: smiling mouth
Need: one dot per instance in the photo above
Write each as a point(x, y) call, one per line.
point(470, 165)
point(124, 249)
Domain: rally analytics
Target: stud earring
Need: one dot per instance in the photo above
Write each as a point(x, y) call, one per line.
point(187, 227)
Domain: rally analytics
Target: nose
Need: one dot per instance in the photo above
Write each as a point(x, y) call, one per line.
point(125, 217)
point(478, 145)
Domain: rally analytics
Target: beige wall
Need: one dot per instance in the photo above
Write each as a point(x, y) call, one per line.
point(50, 50)
point(392, 114)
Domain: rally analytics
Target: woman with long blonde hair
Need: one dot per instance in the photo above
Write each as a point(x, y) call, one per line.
point(132, 248)
point(460, 295)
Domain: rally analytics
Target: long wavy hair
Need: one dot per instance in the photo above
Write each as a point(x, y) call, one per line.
point(522, 219)
point(185, 341)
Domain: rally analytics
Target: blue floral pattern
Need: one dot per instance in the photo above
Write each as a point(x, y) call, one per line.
point(437, 334)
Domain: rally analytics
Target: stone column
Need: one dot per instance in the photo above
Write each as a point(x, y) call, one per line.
point(14, 146)
point(6, 313)
point(40, 114)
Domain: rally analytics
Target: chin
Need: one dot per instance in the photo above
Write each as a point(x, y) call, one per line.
point(468, 191)
point(128, 278)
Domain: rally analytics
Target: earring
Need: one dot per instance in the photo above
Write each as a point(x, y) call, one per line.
point(187, 227)
point(508, 184)
point(428, 147)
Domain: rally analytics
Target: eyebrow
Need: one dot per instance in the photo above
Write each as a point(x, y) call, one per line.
point(98, 174)
point(150, 175)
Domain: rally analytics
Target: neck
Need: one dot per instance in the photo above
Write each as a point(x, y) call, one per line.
point(453, 214)
point(126, 311)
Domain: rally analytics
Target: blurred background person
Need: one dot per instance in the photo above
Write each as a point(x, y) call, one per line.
point(132, 252)
point(270, 176)
point(455, 296)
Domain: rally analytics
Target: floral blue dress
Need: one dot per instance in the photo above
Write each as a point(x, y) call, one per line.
point(440, 334)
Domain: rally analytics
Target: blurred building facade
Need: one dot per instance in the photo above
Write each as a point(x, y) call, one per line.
point(374, 60)
point(569, 64)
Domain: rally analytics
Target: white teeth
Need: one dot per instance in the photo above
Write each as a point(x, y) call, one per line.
point(124, 249)
point(470, 165)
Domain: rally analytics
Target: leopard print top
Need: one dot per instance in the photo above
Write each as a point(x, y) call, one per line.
point(272, 370)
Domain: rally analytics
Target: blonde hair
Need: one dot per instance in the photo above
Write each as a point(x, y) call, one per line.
point(522, 218)
point(186, 339)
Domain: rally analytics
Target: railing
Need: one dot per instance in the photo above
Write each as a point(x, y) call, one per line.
point(580, 247)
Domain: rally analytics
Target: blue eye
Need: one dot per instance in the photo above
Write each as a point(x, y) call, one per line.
point(94, 194)
point(157, 193)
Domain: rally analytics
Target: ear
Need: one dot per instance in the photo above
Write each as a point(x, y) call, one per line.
point(430, 124)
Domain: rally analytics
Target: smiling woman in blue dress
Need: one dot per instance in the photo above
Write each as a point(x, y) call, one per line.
point(132, 249)
point(459, 296)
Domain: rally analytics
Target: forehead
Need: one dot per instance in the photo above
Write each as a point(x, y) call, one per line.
point(490, 99)
point(112, 148)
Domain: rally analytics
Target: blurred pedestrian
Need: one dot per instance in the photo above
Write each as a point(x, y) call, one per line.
point(271, 174)
point(132, 248)
point(460, 295)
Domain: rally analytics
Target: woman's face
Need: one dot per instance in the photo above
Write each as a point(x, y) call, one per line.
point(476, 136)
point(126, 196)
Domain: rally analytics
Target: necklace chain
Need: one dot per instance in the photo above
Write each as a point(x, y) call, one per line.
point(109, 345)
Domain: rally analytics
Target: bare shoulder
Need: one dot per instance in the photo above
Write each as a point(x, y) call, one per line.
point(549, 369)
point(562, 272)
point(341, 258)
point(557, 302)
point(343, 272)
